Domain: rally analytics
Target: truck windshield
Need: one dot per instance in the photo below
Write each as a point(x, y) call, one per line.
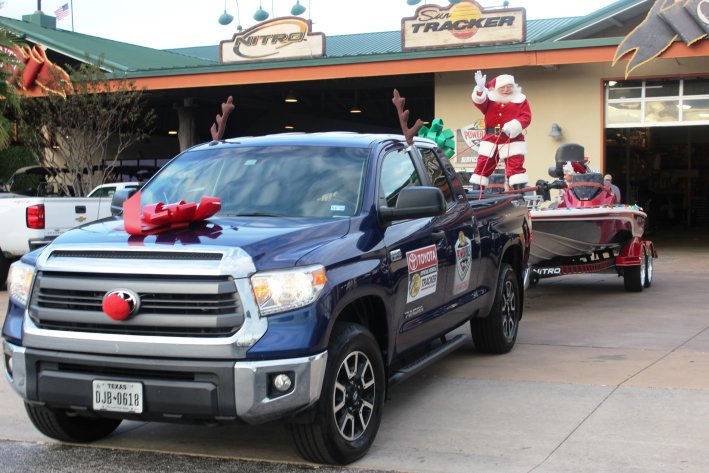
point(291, 181)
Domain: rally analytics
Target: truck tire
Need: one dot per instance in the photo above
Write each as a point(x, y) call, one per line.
point(497, 332)
point(57, 424)
point(634, 276)
point(349, 411)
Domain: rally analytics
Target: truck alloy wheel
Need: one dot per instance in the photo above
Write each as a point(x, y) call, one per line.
point(350, 408)
point(497, 332)
point(354, 396)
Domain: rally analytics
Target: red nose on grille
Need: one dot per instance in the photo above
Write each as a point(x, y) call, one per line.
point(116, 307)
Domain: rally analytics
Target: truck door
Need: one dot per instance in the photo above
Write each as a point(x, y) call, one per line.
point(418, 254)
point(460, 229)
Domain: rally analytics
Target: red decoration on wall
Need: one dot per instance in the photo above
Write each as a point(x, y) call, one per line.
point(159, 218)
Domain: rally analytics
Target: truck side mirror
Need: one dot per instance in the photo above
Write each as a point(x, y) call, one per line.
point(119, 197)
point(415, 202)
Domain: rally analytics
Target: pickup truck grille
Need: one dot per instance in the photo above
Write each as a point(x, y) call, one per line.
point(169, 305)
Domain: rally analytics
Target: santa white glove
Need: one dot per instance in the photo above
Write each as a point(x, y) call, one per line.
point(480, 81)
point(512, 128)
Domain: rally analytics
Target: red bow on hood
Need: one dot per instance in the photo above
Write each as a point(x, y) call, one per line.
point(159, 218)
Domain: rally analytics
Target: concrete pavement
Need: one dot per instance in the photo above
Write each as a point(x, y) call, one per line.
point(600, 380)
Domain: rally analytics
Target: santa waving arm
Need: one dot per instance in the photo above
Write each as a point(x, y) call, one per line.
point(479, 94)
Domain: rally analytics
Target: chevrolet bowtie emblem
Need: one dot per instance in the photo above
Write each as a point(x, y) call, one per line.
point(80, 219)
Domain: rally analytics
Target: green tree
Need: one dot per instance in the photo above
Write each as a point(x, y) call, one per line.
point(80, 137)
point(9, 100)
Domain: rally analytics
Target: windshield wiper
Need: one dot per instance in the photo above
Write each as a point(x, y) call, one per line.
point(255, 214)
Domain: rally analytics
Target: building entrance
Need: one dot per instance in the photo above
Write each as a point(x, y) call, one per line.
point(665, 170)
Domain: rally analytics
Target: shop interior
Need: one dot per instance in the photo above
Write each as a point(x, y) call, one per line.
point(663, 169)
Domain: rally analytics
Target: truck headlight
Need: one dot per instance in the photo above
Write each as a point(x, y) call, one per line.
point(283, 290)
point(19, 282)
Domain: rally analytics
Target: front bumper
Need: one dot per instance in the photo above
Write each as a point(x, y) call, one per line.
point(173, 390)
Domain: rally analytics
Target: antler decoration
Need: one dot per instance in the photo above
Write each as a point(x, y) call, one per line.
point(218, 127)
point(409, 133)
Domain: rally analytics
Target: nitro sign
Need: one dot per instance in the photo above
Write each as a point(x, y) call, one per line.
point(280, 38)
point(462, 24)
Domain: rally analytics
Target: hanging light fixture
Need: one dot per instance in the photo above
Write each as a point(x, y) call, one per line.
point(355, 104)
point(260, 14)
point(290, 97)
point(297, 9)
point(238, 16)
point(225, 18)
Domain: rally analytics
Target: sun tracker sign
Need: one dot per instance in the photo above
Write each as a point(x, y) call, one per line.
point(462, 24)
point(280, 38)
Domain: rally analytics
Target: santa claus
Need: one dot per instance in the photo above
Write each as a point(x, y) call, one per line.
point(507, 115)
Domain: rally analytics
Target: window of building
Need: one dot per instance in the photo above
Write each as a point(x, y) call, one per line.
point(667, 102)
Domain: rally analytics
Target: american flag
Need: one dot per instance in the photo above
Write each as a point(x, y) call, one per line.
point(62, 12)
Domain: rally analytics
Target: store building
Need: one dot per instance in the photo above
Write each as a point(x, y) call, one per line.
point(645, 120)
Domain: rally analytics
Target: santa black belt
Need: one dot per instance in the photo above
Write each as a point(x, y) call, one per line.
point(492, 131)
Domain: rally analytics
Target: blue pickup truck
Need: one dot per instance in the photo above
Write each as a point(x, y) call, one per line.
point(339, 264)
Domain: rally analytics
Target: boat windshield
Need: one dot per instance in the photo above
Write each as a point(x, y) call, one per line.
point(290, 181)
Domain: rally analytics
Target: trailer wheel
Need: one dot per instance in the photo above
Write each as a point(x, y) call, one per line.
point(57, 424)
point(649, 261)
point(349, 411)
point(634, 276)
point(497, 332)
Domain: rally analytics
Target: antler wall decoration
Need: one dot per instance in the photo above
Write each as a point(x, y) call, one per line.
point(409, 133)
point(220, 125)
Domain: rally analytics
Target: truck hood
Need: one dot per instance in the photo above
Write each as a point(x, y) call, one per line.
point(271, 242)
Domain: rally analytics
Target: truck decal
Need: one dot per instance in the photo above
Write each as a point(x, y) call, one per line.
point(423, 272)
point(463, 262)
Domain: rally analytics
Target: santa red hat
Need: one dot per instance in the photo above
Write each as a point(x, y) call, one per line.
point(501, 81)
point(574, 167)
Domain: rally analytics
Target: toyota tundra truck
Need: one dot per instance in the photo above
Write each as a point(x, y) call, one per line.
point(336, 265)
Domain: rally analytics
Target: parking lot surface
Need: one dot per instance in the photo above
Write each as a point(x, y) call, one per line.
point(600, 380)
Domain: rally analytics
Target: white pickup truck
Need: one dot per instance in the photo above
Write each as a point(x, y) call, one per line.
point(31, 222)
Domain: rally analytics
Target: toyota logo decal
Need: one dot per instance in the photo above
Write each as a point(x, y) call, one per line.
point(119, 304)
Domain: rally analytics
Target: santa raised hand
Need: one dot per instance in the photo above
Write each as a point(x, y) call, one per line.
point(507, 115)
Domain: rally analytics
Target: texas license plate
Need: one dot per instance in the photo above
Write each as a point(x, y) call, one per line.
point(117, 396)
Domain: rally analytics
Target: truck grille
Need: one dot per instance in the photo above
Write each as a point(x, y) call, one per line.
point(169, 305)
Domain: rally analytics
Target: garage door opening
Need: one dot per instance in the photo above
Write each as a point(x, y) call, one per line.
point(665, 170)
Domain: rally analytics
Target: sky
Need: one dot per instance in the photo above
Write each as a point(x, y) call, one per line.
point(165, 24)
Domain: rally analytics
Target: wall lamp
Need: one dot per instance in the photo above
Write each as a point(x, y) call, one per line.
point(555, 132)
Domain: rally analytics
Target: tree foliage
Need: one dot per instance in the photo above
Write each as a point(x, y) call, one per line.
point(9, 100)
point(80, 137)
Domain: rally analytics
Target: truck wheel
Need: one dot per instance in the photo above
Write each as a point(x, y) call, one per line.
point(57, 424)
point(497, 332)
point(649, 261)
point(350, 407)
point(634, 276)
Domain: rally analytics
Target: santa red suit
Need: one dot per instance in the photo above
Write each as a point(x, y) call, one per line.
point(506, 116)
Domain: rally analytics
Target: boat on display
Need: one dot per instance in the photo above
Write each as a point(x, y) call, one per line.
point(587, 230)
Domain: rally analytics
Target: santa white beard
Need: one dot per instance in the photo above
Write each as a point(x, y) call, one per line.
point(516, 95)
